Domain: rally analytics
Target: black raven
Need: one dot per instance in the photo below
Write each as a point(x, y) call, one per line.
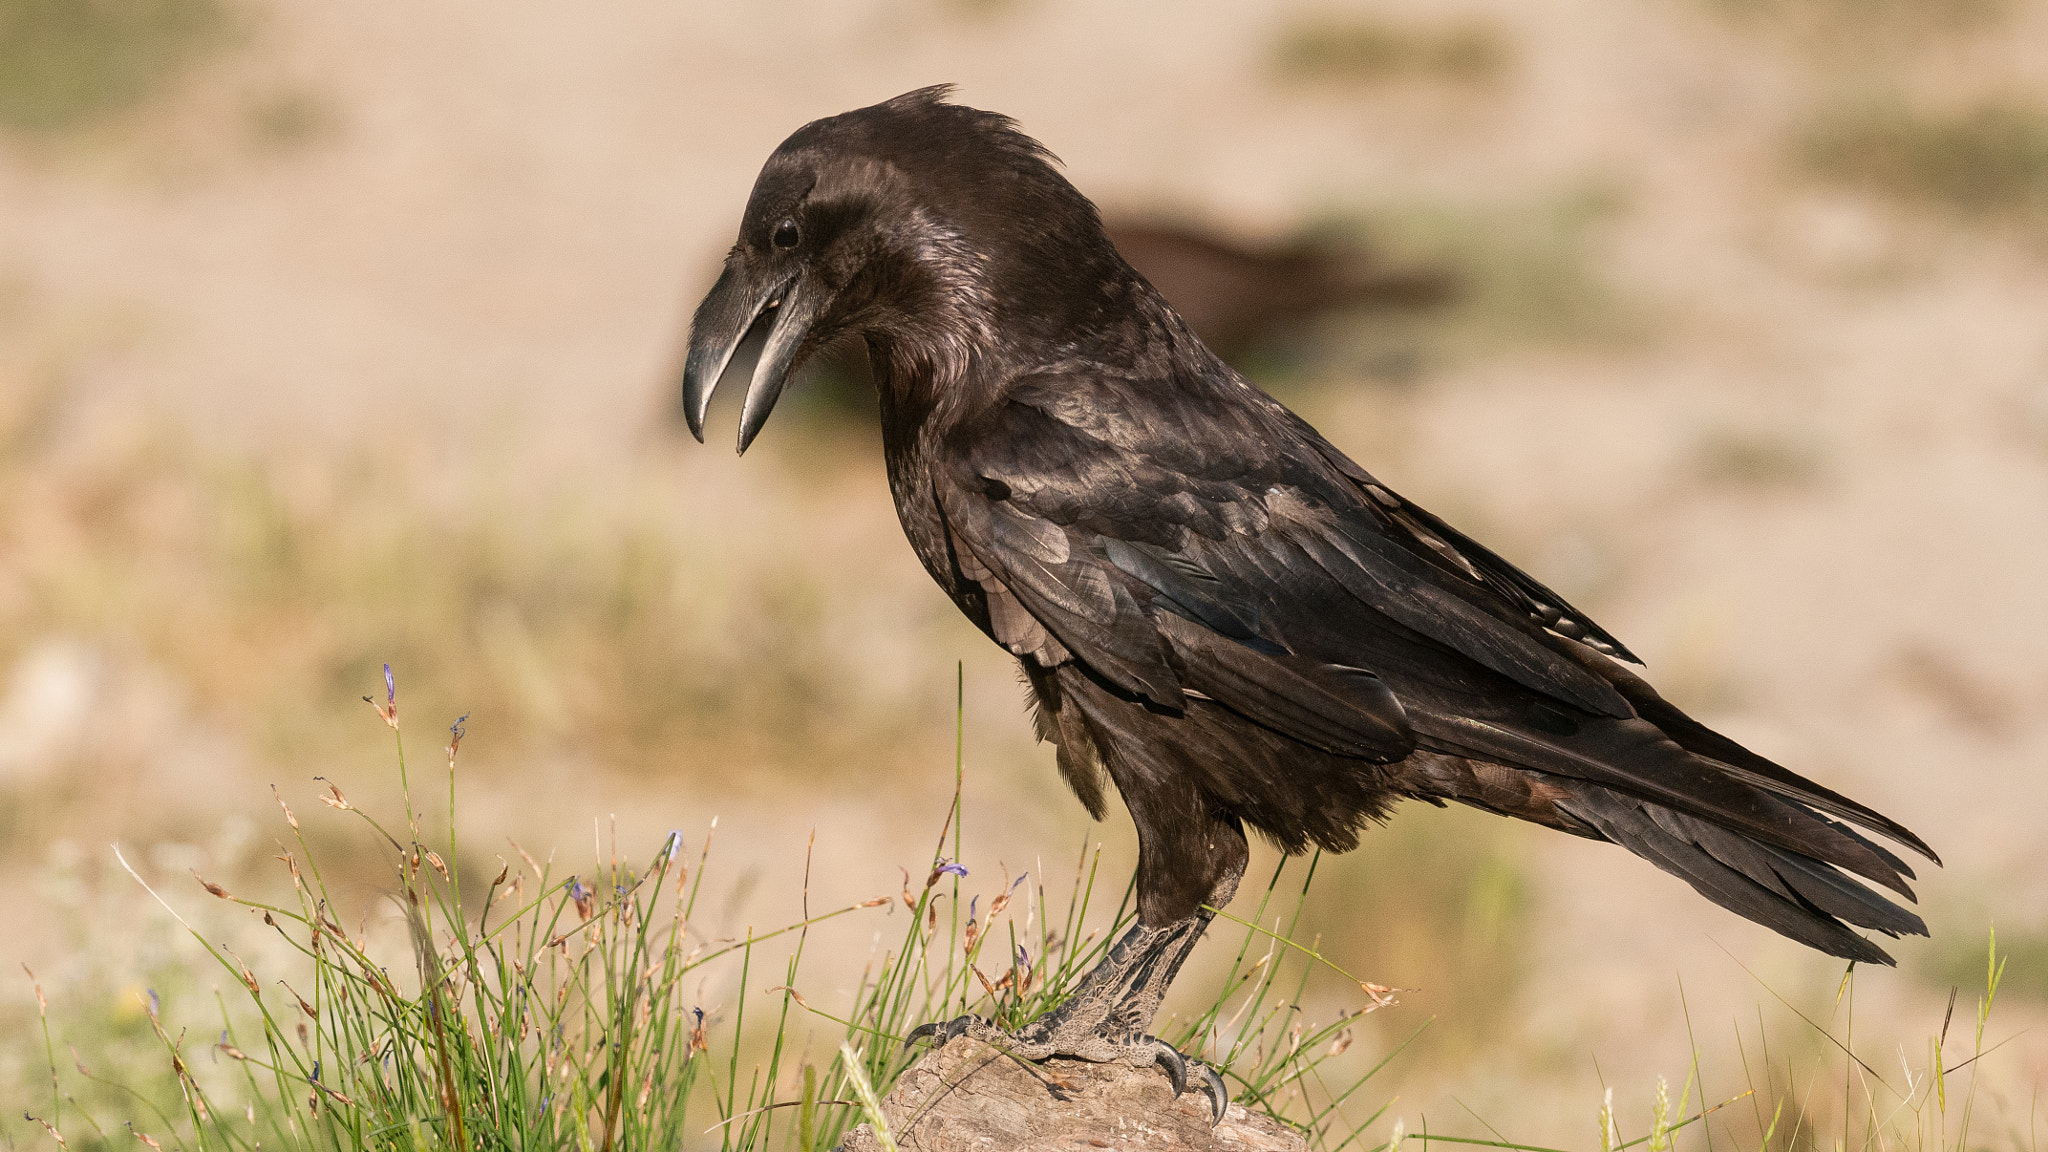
point(1216, 611)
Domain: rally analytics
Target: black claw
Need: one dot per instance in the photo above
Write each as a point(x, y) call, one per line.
point(946, 1032)
point(1175, 1064)
point(1219, 1096)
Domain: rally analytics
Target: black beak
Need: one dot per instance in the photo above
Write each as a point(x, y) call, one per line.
point(723, 320)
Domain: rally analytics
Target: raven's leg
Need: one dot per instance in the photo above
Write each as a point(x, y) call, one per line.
point(1189, 856)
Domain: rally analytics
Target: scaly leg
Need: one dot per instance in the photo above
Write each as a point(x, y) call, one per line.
point(1105, 1018)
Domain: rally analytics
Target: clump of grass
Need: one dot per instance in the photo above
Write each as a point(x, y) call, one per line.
point(535, 1009)
point(291, 119)
point(1833, 27)
point(1522, 273)
point(1793, 1102)
point(1756, 459)
point(68, 63)
point(593, 1011)
point(1369, 51)
point(1982, 161)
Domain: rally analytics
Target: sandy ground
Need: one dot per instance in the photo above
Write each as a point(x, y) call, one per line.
point(485, 247)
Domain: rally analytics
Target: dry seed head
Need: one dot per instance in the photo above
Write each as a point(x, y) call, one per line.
point(434, 858)
point(337, 801)
point(504, 869)
point(1341, 1042)
point(232, 1052)
point(877, 902)
point(455, 733)
point(145, 1138)
point(1381, 995)
point(791, 992)
point(304, 1039)
point(52, 1130)
point(288, 817)
point(210, 886)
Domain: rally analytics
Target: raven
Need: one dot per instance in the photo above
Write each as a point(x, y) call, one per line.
point(1216, 611)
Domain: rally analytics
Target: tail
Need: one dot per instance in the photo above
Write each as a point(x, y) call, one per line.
point(1753, 837)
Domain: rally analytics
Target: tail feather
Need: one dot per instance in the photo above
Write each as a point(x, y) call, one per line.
point(1778, 889)
point(1740, 762)
point(1633, 757)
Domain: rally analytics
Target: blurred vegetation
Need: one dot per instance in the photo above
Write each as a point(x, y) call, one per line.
point(1854, 27)
point(290, 119)
point(1366, 50)
point(1957, 960)
point(597, 1009)
point(1446, 903)
point(1989, 159)
point(1523, 274)
point(268, 597)
point(68, 63)
point(1756, 459)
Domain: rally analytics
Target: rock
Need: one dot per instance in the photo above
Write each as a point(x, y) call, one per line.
point(969, 1097)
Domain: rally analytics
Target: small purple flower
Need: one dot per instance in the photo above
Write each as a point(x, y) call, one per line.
point(576, 889)
point(390, 687)
point(1017, 881)
point(671, 847)
point(1023, 958)
point(456, 729)
point(972, 902)
point(950, 867)
point(699, 1012)
point(544, 1102)
point(315, 1077)
point(155, 1006)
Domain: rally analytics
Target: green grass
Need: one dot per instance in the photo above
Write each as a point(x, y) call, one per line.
point(537, 1010)
point(534, 1009)
point(1364, 50)
point(1522, 273)
point(1984, 161)
point(65, 64)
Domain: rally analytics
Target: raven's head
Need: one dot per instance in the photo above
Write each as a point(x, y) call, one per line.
point(915, 225)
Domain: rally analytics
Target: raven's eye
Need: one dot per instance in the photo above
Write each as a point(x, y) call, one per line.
point(787, 234)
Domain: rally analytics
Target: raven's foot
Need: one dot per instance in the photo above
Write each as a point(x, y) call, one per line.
point(1035, 1043)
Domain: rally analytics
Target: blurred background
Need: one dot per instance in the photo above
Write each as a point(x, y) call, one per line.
point(332, 335)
